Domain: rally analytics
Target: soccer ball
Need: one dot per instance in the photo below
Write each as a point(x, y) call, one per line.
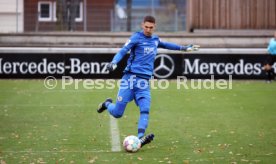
point(132, 144)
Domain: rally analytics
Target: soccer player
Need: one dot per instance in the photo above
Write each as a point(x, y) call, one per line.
point(135, 81)
point(270, 59)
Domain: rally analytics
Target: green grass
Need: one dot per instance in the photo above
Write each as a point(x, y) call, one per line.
point(38, 125)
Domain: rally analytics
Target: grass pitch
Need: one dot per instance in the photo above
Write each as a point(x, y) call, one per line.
point(237, 125)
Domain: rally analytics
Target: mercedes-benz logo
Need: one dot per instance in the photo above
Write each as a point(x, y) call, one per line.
point(164, 66)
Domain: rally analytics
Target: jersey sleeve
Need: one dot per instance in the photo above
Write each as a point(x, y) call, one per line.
point(125, 49)
point(272, 47)
point(168, 45)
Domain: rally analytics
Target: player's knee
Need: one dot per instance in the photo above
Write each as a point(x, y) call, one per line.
point(119, 110)
point(144, 105)
point(144, 110)
point(118, 115)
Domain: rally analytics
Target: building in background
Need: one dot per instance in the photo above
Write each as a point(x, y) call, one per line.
point(170, 15)
point(126, 15)
point(102, 15)
point(67, 15)
point(231, 14)
point(11, 16)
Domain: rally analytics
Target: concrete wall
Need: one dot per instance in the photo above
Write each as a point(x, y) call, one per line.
point(216, 39)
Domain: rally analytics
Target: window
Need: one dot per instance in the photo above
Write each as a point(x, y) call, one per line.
point(79, 13)
point(54, 11)
point(45, 11)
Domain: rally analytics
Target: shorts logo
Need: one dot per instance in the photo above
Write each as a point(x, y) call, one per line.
point(119, 98)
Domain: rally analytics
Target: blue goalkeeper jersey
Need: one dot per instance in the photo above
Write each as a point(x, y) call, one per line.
point(272, 46)
point(143, 50)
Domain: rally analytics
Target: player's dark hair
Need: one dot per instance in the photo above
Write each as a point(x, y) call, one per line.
point(149, 18)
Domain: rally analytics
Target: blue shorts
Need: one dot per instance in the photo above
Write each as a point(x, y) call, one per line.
point(133, 87)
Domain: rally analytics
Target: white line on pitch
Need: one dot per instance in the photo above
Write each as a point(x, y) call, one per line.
point(115, 136)
point(45, 105)
point(49, 151)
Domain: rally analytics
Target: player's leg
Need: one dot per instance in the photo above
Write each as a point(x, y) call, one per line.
point(268, 71)
point(144, 105)
point(117, 110)
point(269, 75)
point(267, 68)
point(143, 99)
point(103, 106)
point(125, 95)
